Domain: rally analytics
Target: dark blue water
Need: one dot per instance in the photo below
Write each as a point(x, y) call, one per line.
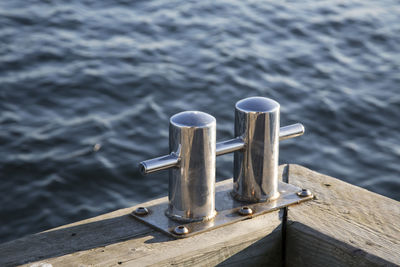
point(87, 87)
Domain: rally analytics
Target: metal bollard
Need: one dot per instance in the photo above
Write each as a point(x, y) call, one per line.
point(256, 147)
point(191, 164)
point(193, 197)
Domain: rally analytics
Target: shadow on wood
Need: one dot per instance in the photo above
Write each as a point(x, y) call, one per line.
point(343, 226)
point(118, 239)
point(306, 246)
point(265, 252)
point(66, 240)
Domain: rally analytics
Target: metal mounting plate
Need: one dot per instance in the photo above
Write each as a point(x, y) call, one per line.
point(227, 210)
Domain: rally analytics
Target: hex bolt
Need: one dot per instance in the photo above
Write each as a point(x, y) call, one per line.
point(141, 211)
point(244, 211)
point(304, 193)
point(181, 230)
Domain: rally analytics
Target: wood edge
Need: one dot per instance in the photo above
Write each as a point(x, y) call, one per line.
point(305, 246)
point(299, 168)
point(367, 255)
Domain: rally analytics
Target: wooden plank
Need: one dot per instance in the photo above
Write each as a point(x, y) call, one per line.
point(116, 239)
point(344, 226)
point(254, 242)
point(94, 232)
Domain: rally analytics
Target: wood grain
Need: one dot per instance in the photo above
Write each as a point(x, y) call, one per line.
point(344, 226)
point(117, 239)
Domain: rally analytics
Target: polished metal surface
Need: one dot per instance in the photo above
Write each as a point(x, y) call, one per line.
point(158, 164)
point(304, 193)
point(227, 210)
point(235, 144)
point(291, 131)
point(229, 146)
point(191, 164)
point(245, 211)
point(181, 230)
point(192, 185)
point(255, 172)
point(256, 148)
point(141, 211)
point(193, 150)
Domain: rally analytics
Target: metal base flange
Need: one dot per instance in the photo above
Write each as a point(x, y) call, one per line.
point(228, 209)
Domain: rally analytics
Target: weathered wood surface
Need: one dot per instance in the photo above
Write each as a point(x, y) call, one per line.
point(117, 239)
point(344, 226)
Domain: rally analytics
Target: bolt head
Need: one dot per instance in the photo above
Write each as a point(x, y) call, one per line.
point(304, 193)
point(181, 230)
point(141, 211)
point(245, 211)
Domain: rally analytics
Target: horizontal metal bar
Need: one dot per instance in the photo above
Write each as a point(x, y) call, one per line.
point(229, 146)
point(158, 164)
point(237, 143)
point(291, 131)
point(224, 147)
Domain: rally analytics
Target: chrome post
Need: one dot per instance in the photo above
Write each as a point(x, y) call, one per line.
point(193, 197)
point(255, 175)
point(191, 164)
point(256, 148)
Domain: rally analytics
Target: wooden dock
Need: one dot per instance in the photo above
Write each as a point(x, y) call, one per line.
point(343, 226)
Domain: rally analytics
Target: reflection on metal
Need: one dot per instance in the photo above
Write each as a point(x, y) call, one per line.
point(181, 230)
point(255, 173)
point(192, 200)
point(141, 211)
point(237, 143)
point(291, 131)
point(256, 147)
point(245, 211)
point(227, 211)
point(229, 146)
point(191, 164)
point(159, 164)
point(255, 170)
point(304, 193)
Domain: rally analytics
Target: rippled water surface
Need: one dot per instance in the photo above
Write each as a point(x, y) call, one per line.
point(87, 87)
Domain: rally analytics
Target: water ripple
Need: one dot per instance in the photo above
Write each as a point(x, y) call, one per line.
point(87, 87)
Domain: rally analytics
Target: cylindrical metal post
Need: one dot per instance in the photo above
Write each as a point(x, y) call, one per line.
point(192, 136)
point(191, 164)
point(256, 167)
